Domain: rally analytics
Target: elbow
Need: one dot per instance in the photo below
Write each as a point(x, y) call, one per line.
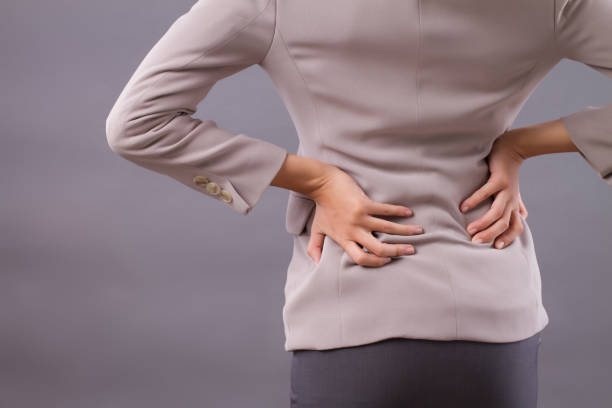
point(134, 134)
point(116, 135)
point(123, 136)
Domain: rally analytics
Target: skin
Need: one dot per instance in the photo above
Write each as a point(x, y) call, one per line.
point(345, 213)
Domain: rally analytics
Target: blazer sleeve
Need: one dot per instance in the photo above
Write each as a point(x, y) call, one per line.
point(583, 32)
point(151, 122)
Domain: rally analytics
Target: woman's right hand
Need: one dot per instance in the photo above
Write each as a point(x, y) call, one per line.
point(345, 213)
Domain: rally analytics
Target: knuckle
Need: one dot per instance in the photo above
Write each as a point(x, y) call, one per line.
point(359, 258)
point(494, 216)
point(363, 206)
point(378, 248)
point(349, 234)
point(505, 236)
point(355, 215)
point(498, 212)
point(373, 248)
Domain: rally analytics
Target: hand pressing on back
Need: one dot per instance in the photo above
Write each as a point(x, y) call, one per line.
point(502, 222)
point(345, 213)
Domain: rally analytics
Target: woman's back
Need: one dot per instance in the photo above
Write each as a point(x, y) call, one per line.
point(405, 96)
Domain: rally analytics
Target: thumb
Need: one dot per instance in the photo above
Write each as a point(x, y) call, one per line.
point(315, 245)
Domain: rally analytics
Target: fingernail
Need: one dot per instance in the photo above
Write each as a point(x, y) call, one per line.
point(465, 207)
point(419, 230)
point(499, 244)
point(408, 212)
point(472, 229)
point(477, 241)
point(408, 250)
point(387, 260)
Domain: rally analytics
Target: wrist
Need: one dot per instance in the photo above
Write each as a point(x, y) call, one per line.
point(514, 142)
point(302, 174)
point(322, 173)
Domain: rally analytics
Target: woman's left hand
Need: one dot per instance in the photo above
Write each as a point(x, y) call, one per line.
point(502, 222)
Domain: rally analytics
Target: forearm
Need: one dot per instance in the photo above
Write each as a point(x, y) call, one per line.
point(542, 138)
point(302, 174)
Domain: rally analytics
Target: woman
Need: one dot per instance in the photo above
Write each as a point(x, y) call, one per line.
point(403, 111)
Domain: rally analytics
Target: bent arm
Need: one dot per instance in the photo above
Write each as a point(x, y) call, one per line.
point(151, 122)
point(583, 33)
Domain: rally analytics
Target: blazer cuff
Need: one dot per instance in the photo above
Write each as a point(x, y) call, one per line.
point(590, 129)
point(234, 169)
point(243, 186)
point(247, 186)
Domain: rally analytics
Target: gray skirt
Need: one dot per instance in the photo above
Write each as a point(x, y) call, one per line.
point(401, 372)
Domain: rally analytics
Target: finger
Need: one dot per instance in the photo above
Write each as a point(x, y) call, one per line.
point(487, 190)
point(494, 213)
point(515, 229)
point(378, 224)
point(361, 257)
point(375, 207)
point(522, 208)
point(498, 227)
point(315, 245)
point(383, 248)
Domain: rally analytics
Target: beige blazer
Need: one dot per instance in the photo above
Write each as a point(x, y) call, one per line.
point(407, 96)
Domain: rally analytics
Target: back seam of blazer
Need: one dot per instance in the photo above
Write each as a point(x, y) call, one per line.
point(417, 68)
point(325, 154)
point(310, 96)
point(306, 86)
point(545, 56)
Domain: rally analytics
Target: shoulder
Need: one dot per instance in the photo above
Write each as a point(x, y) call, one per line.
point(583, 28)
point(576, 9)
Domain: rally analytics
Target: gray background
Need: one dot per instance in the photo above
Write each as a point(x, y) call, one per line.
point(120, 287)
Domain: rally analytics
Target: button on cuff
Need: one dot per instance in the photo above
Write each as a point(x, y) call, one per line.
point(225, 193)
